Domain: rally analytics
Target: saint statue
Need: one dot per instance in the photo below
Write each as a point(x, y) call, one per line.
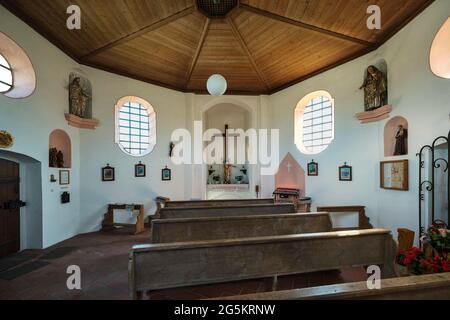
point(400, 141)
point(60, 159)
point(78, 98)
point(375, 89)
point(52, 158)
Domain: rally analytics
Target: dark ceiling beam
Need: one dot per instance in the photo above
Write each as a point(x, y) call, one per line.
point(197, 51)
point(307, 26)
point(244, 47)
point(141, 32)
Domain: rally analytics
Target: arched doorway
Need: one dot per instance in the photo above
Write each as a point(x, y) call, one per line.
point(21, 224)
point(229, 175)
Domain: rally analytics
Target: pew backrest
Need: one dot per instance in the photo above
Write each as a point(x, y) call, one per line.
point(237, 227)
point(199, 212)
point(162, 266)
point(217, 203)
point(425, 287)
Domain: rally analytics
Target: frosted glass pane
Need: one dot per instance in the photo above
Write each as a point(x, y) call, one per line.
point(317, 135)
point(4, 87)
point(6, 75)
point(4, 62)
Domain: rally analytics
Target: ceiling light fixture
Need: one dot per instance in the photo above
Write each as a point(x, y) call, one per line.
point(216, 85)
point(440, 52)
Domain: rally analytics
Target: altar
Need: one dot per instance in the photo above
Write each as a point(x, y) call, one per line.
point(229, 191)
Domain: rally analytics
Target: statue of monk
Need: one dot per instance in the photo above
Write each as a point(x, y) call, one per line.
point(375, 89)
point(400, 141)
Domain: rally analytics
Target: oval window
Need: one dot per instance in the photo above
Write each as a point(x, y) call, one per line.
point(135, 126)
point(314, 122)
point(17, 75)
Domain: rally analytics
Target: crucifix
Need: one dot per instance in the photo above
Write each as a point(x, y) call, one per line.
point(226, 163)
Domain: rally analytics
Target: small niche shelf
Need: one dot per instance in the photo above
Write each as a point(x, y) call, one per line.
point(374, 115)
point(81, 123)
point(60, 140)
point(390, 132)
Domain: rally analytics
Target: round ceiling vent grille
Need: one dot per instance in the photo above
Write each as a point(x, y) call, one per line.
point(216, 8)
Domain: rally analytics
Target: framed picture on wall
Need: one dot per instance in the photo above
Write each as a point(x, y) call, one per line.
point(394, 175)
point(64, 177)
point(139, 170)
point(345, 173)
point(166, 174)
point(313, 168)
point(108, 173)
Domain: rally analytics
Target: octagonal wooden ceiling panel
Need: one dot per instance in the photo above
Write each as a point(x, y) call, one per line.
point(102, 21)
point(347, 17)
point(163, 55)
point(222, 53)
point(261, 46)
point(299, 52)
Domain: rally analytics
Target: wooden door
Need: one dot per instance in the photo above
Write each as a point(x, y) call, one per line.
point(9, 218)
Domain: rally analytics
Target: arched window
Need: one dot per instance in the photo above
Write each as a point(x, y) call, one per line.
point(314, 122)
point(17, 76)
point(6, 76)
point(135, 126)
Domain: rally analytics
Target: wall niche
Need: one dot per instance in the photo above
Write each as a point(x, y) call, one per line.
point(376, 108)
point(391, 129)
point(60, 141)
point(80, 103)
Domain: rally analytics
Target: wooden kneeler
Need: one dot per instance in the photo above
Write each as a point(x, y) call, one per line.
point(108, 223)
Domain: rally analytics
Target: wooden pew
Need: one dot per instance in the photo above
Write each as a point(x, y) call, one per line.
point(363, 220)
point(162, 202)
point(426, 287)
point(235, 227)
point(217, 203)
point(199, 212)
point(163, 266)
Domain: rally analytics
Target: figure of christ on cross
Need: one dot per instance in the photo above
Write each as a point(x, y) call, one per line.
point(226, 162)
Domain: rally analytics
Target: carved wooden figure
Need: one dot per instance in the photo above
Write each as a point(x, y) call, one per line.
point(375, 89)
point(78, 98)
point(52, 158)
point(60, 159)
point(400, 141)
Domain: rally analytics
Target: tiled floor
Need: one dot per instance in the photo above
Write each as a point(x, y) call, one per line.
point(103, 259)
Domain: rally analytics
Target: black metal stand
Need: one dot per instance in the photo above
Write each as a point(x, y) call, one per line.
point(429, 185)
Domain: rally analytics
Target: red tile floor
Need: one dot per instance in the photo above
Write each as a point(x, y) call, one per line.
point(103, 259)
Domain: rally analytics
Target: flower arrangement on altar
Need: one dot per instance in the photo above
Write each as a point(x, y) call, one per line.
point(435, 255)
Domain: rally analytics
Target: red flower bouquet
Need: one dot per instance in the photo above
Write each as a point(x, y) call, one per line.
point(435, 260)
point(414, 259)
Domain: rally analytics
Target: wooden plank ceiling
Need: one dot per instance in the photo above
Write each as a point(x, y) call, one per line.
point(261, 46)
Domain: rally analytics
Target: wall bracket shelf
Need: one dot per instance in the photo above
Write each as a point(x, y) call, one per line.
point(81, 123)
point(374, 115)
